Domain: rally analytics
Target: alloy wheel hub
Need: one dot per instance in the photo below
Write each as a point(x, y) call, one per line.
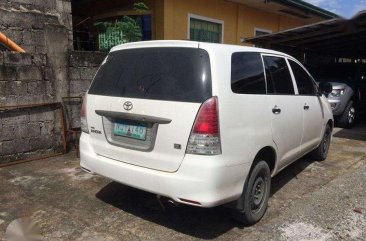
point(351, 115)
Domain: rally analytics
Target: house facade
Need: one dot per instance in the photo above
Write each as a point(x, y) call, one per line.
point(221, 21)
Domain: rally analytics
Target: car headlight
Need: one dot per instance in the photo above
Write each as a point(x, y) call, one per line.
point(337, 92)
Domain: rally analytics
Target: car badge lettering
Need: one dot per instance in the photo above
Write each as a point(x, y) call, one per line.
point(95, 131)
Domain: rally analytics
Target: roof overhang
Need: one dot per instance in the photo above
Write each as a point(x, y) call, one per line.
point(336, 37)
point(294, 8)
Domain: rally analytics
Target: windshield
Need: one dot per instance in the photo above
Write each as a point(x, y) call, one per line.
point(176, 74)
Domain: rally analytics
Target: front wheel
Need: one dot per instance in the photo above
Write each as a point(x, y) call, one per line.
point(321, 152)
point(254, 199)
point(348, 118)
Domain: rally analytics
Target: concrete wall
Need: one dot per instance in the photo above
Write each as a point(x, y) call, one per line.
point(46, 73)
point(28, 78)
point(27, 132)
point(43, 29)
point(24, 21)
point(83, 66)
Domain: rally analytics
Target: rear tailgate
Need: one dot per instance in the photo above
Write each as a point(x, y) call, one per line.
point(161, 149)
point(143, 102)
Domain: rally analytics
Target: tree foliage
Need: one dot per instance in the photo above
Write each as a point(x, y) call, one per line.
point(128, 27)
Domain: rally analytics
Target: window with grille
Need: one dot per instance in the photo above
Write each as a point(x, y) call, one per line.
point(205, 31)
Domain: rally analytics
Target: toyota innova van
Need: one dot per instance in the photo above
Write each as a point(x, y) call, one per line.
point(202, 124)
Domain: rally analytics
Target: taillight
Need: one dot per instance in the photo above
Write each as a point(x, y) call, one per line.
point(83, 119)
point(205, 135)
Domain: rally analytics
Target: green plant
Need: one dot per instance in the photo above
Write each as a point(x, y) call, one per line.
point(123, 30)
point(131, 30)
point(140, 7)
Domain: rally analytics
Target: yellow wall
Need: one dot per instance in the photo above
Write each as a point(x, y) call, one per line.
point(239, 20)
point(158, 19)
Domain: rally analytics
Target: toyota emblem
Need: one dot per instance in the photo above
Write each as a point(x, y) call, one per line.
point(127, 105)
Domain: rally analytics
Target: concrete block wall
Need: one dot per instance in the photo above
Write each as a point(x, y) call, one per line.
point(24, 79)
point(27, 132)
point(83, 66)
point(49, 71)
point(24, 21)
point(44, 30)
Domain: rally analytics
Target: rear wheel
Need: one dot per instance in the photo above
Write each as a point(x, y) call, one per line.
point(321, 153)
point(347, 119)
point(254, 199)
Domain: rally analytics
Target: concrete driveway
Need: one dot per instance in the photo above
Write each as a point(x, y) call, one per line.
point(309, 201)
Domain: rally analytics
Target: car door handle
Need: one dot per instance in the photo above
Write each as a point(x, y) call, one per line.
point(276, 110)
point(306, 107)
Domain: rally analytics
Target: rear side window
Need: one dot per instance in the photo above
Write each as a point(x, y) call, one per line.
point(174, 74)
point(247, 74)
point(305, 84)
point(279, 79)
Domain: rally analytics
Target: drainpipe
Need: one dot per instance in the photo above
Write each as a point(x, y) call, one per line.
point(10, 44)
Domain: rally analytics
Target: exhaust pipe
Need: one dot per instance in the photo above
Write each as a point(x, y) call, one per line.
point(173, 203)
point(158, 198)
point(164, 200)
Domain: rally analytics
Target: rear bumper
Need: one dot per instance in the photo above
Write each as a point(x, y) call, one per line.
point(203, 179)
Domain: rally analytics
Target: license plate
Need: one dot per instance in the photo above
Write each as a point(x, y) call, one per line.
point(131, 130)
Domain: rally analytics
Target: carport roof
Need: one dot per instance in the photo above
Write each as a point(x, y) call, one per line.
point(337, 37)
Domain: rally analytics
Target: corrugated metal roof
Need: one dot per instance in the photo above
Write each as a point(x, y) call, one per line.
point(308, 7)
point(338, 37)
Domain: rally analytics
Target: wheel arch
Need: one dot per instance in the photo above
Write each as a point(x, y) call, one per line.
point(267, 154)
point(331, 123)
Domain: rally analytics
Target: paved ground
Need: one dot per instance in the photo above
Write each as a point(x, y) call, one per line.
point(309, 201)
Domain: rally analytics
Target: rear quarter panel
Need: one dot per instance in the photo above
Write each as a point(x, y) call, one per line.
point(245, 123)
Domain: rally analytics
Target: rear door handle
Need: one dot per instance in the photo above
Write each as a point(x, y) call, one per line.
point(306, 107)
point(276, 110)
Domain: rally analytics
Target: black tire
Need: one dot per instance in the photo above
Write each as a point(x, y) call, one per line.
point(254, 199)
point(321, 152)
point(348, 118)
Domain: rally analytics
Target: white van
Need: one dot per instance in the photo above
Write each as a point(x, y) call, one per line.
point(202, 124)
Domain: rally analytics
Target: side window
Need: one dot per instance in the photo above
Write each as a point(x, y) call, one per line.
point(279, 79)
point(305, 84)
point(247, 74)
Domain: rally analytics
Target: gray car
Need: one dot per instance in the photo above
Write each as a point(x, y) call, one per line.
point(348, 97)
point(342, 104)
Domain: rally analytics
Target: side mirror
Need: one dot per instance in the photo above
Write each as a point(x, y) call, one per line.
point(325, 88)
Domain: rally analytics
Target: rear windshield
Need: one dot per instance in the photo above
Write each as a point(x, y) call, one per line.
point(174, 74)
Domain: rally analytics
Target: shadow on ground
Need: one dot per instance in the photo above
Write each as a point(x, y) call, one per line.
point(212, 223)
point(358, 132)
point(197, 222)
point(289, 173)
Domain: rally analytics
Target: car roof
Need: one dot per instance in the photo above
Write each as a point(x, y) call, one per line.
point(194, 44)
